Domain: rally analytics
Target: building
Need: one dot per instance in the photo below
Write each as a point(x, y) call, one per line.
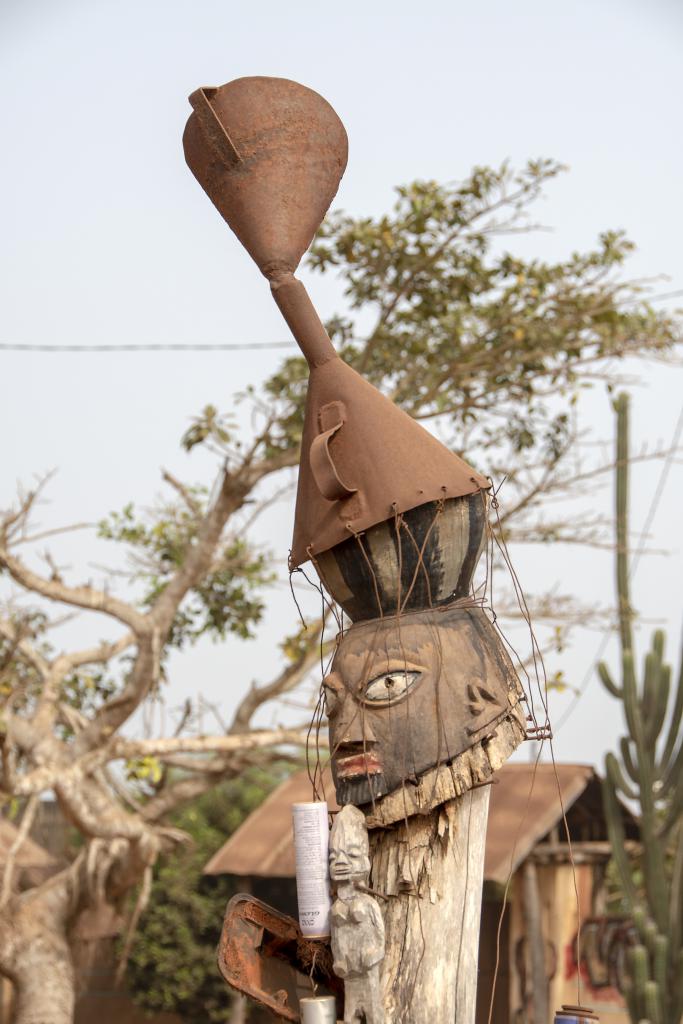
point(527, 854)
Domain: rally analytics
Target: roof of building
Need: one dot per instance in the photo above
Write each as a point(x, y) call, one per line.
point(526, 804)
point(262, 845)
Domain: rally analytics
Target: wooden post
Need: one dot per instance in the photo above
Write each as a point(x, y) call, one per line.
point(431, 868)
point(427, 845)
point(533, 923)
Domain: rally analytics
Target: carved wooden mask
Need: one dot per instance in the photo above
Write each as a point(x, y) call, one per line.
point(408, 693)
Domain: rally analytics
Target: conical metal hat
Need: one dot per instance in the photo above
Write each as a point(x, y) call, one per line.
point(270, 154)
point(364, 460)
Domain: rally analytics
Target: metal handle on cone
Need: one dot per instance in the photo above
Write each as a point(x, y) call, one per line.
point(215, 130)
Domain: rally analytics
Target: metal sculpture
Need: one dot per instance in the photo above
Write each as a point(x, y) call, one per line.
point(393, 521)
point(357, 925)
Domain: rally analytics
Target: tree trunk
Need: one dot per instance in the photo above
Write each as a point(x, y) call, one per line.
point(430, 867)
point(38, 960)
point(44, 983)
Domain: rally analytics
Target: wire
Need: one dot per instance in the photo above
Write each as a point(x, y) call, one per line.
point(228, 347)
point(200, 347)
point(640, 548)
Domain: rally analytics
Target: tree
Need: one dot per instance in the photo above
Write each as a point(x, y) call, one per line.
point(172, 965)
point(489, 347)
point(62, 715)
point(649, 773)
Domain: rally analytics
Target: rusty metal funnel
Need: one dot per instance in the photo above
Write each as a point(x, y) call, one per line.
point(270, 154)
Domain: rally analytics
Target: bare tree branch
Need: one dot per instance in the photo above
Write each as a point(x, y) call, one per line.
point(234, 488)
point(10, 632)
point(129, 749)
point(140, 906)
point(143, 675)
point(205, 775)
point(65, 663)
point(80, 597)
point(51, 776)
point(100, 654)
point(15, 848)
point(15, 519)
point(286, 680)
point(184, 492)
point(30, 539)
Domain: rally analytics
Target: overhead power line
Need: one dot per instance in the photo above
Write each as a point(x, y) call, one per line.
point(199, 347)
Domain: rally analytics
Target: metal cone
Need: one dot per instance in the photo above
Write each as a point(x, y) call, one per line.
point(270, 154)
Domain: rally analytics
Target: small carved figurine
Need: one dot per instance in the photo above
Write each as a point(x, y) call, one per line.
point(357, 925)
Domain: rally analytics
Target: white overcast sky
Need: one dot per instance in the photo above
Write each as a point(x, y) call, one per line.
point(106, 238)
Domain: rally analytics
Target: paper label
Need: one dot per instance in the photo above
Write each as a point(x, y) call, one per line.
point(311, 842)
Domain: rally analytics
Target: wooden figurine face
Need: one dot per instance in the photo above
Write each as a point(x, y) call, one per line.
point(349, 847)
point(406, 694)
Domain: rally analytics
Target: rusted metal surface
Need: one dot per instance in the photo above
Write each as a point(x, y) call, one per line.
point(263, 955)
point(574, 1015)
point(388, 463)
point(270, 154)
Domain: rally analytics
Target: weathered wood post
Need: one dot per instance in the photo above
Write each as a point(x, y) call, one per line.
point(533, 926)
point(422, 699)
point(432, 869)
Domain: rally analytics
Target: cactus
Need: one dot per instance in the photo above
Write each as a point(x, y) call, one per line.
point(649, 773)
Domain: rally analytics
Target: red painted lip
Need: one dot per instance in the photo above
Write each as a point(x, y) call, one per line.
point(358, 764)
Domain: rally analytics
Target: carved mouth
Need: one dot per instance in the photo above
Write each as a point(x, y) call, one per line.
point(360, 790)
point(358, 766)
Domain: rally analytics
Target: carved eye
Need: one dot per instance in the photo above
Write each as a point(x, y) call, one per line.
point(390, 686)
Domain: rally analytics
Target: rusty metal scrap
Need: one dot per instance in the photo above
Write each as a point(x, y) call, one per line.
point(270, 154)
point(263, 955)
point(377, 463)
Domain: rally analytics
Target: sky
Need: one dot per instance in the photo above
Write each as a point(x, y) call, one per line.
point(107, 239)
